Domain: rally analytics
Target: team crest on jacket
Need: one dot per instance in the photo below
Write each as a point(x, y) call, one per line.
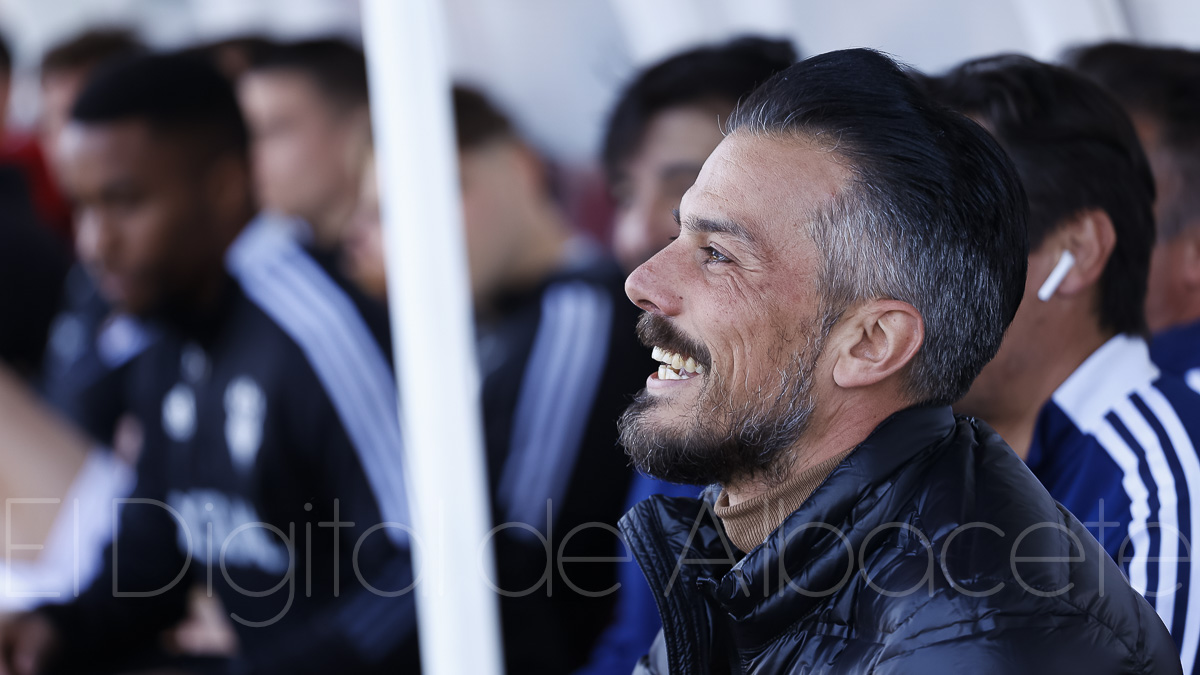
point(245, 407)
point(179, 413)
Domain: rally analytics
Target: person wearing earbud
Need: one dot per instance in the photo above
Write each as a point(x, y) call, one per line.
point(1073, 389)
point(1160, 89)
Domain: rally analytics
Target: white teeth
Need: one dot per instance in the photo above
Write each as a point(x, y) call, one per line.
point(675, 366)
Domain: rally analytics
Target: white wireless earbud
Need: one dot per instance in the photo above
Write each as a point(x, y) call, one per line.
point(1064, 265)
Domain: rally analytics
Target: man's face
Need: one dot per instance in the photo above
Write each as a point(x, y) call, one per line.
point(304, 149)
point(737, 293)
point(501, 186)
point(1172, 278)
point(1170, 285)
point(675, 144)
point(140, 213)
point(363, 249)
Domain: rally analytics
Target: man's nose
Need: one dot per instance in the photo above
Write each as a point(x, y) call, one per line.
point(654, 285)
point(93, 238)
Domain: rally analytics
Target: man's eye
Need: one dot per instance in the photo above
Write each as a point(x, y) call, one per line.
point(714, 256)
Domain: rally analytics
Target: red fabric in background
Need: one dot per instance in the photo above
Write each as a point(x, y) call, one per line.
point(585, 198)
point(52, 210)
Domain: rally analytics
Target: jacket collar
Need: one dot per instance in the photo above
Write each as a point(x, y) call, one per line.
point(809, 547)
point(1112, 372)
point(809, 544)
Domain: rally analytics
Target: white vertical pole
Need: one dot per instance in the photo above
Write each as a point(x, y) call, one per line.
point(433, 336)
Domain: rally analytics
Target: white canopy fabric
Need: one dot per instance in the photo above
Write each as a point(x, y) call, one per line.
point(556, 66)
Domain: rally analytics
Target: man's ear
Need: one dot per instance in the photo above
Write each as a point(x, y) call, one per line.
point(1091, 238)
point(875, 341)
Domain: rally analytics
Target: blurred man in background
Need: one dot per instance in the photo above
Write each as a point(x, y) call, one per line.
point(263, 404)
point(1073, 389)
point(84, 475)
point(1160, 89)
point(362, 252)
point(665, 124)
point(77, 377)
point(558, 357)
point(33, 261)
point(306, 104)
point(667, 121)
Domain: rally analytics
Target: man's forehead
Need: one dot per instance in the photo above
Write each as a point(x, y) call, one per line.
point(759, 179)
point(117, 147)
point(115, 134)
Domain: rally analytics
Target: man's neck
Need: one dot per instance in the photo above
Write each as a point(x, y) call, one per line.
point(1187, 314)
point(834, 434)
point(193, 308)
point(542, 252)
point(329, 226)
point(1016, 426)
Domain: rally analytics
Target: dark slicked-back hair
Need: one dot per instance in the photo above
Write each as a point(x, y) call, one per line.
point(934, 214)
point(181, 96)
point(721, 74)
point(1163, 85)
point(336, 67)
point(476, 121)
point(90, 49)
point(1075, 149)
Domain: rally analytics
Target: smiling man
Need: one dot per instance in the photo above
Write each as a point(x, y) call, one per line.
point(849, 258)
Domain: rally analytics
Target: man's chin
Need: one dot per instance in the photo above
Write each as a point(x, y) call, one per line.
point(659, 441)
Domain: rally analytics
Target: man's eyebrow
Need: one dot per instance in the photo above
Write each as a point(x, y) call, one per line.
point(680, 169)
point(721, 226)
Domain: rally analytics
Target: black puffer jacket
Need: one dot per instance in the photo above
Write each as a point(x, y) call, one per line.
point(914, 556)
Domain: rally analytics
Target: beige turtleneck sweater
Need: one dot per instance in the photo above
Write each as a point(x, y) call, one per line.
point(750, 522)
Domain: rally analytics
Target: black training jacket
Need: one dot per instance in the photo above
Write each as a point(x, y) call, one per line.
point(560, 362)
point(930, 549)
point(270, 477)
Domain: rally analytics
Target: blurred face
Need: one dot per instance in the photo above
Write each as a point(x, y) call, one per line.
point(304, 150)
point(500, 181)
point(59, 91)
point(363, 252)
point(499, 184)
point(674, 147)
point(143, 218)
point(1173, 285)
point(733, 306)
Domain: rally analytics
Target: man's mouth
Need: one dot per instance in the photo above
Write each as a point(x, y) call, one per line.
point(676, 366)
